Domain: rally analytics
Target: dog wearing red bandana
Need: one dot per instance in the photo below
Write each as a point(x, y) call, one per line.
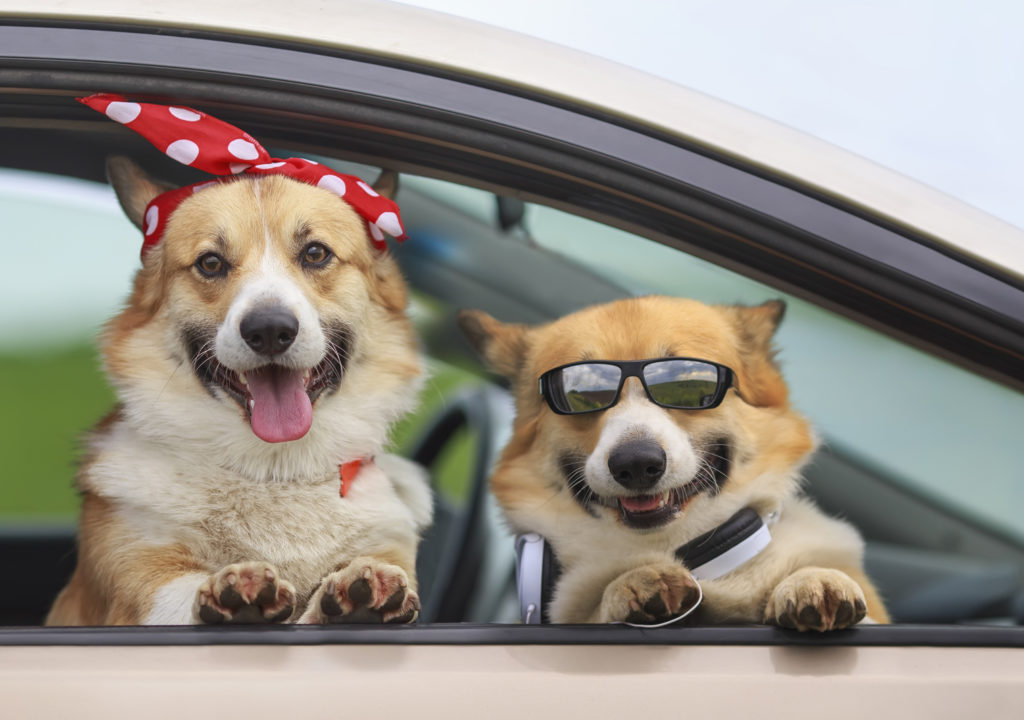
point(655, 449)
point(259, 364)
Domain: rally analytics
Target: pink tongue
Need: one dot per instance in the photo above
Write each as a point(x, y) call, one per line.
point(281, 409)
point(640, 504)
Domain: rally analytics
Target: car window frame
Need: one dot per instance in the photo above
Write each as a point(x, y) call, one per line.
point(502, 634)
point(515, 142)
point(899, 281)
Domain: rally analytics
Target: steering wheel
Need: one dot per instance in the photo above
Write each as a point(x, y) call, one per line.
point(452, 550)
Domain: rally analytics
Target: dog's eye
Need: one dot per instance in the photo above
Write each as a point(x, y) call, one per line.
point(211, 265)
point(315, 255)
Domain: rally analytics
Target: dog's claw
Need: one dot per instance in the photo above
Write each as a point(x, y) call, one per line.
point(365, 592)
point(649, 594)
point(817, 599)
point(245, 593)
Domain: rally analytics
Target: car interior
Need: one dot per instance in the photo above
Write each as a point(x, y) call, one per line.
point(476, 245)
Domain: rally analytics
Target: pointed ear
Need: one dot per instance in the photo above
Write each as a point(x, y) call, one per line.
point(387, 184)
point(503, 347)
point(134, 187)
point(759, 380)
point(387, 285)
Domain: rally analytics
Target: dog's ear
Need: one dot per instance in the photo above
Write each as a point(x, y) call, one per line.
point(759, 380)
point(387, 184)
point(387, 287)
point(502, 346)
point(134, 187)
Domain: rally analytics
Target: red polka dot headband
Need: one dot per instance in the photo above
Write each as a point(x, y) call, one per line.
point(201, 141)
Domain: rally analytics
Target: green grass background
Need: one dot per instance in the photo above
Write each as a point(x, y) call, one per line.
point(50, 398)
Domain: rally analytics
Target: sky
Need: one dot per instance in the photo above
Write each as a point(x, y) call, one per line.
point(929, 88)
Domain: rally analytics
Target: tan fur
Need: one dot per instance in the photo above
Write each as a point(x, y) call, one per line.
point(610, 570)
point(179, 498)
point(115, 576)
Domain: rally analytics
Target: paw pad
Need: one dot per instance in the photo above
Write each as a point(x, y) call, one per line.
point(369, 593)
point(245, 593)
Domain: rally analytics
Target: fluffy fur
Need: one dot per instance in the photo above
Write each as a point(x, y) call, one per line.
point(187, 516)
point(553, 477)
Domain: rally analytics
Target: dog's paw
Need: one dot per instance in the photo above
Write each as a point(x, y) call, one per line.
point(816, 599)
point(248, 592)
point(649, 594)
point(366, 591)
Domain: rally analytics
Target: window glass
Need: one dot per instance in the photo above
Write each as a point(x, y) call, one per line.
point(912, 418)
point(68, 266)
point(915, 419)
point(69, 257)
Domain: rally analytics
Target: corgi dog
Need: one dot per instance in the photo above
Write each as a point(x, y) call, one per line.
point(265, 343)
point(642, 428)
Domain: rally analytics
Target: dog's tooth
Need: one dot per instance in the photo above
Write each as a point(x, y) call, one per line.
point(252, 403)
point(241, 379)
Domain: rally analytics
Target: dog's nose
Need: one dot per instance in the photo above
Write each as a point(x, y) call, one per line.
point(637, 464)
point(269, 330)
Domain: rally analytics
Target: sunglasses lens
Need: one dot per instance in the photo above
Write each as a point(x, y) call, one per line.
point(688, 384)
point(586, 387)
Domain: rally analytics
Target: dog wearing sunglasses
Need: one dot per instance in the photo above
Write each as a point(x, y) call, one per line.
point(642, 428)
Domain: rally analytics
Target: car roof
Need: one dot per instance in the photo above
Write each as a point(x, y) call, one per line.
point(449, 44)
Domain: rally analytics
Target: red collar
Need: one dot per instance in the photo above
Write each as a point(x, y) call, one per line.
point(348, 471)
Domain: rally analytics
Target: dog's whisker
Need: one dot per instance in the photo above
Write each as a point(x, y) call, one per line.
point(206, 356)
point(716, 456)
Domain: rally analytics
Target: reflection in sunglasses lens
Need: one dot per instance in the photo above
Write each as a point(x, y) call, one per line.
point(682, 383)
point(591, 386)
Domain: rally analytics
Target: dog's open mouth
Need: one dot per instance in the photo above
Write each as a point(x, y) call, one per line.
point(278, 401)
point(644, 512)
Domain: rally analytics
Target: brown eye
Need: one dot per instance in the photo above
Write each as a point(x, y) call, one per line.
point(211, 265)
point(315, 255)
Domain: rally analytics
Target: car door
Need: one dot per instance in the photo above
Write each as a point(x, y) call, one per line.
point(444, 124)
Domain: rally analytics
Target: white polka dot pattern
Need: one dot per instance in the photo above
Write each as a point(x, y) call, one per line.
point(333, 183)
point(389, 223)
point(367, 189)
point(201, 141)
point(243, 150)
point(185, 114)
point(123, 112)
point(152, 218)
point(184, 151)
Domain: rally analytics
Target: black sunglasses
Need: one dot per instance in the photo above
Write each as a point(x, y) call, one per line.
point(678, 383)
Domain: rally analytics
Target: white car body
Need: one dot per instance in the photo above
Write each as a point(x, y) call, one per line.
point(393, 30)
point(454, 671)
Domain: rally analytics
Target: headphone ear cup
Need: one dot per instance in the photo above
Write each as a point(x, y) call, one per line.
point(537, 571)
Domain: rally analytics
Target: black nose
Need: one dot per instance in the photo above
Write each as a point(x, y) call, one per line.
point(637, 464)
point(269, 330)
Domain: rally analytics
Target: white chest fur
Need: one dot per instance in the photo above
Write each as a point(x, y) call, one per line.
point(304, 527)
